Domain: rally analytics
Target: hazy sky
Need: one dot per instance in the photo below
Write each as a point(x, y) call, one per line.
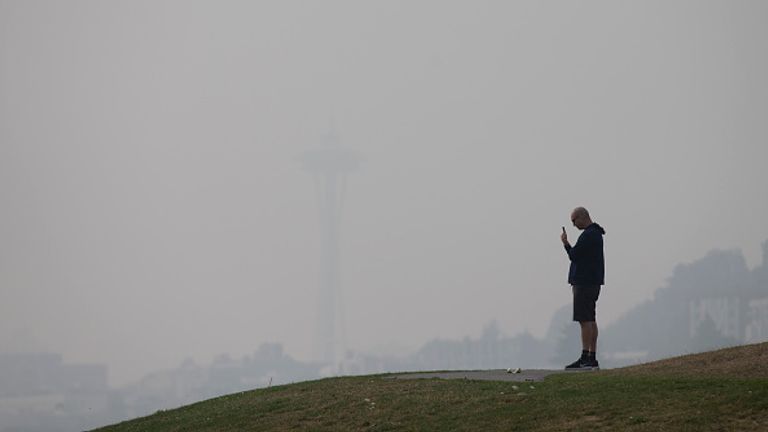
point(153, 206)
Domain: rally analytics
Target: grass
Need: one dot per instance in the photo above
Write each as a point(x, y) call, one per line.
point(645, 398)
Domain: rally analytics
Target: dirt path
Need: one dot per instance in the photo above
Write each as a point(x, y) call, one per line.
point(487, 375)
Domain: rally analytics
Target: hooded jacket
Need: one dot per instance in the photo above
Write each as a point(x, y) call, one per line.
point(587, 260)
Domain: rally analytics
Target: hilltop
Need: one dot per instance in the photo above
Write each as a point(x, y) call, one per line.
point(747, 361)
point(720, 390)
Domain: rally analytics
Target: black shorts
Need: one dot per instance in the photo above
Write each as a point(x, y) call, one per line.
point(584, 299)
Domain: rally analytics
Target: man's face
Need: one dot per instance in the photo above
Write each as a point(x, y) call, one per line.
point(579, 221)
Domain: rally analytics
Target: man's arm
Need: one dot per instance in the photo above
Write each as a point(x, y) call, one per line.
point(581, 248)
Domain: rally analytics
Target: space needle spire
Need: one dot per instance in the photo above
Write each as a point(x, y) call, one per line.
point(330, 163)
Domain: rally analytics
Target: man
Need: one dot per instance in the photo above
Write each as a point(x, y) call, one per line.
point(586, 275)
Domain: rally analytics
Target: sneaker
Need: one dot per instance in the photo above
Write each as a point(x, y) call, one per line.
point(577, 365)
point(592, 364)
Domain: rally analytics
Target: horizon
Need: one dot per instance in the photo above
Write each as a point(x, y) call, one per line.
point(490, 326)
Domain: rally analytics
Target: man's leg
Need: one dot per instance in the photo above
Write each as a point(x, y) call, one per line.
point(589, 335)
point(586, 335)
point(584, 298)
point(589, 341)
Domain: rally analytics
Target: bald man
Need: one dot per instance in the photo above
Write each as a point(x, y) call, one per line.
point(586, 275)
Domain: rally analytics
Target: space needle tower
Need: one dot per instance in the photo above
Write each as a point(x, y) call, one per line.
point(329, 165)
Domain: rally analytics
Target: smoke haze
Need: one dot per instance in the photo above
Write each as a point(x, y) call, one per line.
point(154, 206)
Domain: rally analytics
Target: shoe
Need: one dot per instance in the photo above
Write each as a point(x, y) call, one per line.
point(577, 365)
point(592, 364)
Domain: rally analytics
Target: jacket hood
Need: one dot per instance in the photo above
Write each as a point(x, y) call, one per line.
point(596, 226)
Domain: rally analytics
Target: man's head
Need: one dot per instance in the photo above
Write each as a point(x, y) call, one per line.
point(580, 218)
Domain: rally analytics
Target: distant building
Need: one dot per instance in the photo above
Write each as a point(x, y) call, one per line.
point(713, 302)
point(330, 165)
point(39, 392)
point(43, 373)
point(756, 329)
point(724, 311)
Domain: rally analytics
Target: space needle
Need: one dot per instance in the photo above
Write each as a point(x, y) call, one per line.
point(329, 165)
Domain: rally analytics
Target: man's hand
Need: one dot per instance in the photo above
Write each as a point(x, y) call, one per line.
point(564, 237)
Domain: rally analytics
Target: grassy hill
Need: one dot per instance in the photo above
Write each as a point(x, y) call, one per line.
point(719, 390)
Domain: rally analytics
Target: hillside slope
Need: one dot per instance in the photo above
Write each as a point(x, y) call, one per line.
point(746, 361)
point(666, 395)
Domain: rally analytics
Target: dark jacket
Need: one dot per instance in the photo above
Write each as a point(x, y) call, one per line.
point(587, 260)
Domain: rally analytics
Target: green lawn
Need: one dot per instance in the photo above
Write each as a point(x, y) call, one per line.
point(721, 390)
point(573, 402)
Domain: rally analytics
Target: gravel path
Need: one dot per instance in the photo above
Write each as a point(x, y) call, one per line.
point(487, 375)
